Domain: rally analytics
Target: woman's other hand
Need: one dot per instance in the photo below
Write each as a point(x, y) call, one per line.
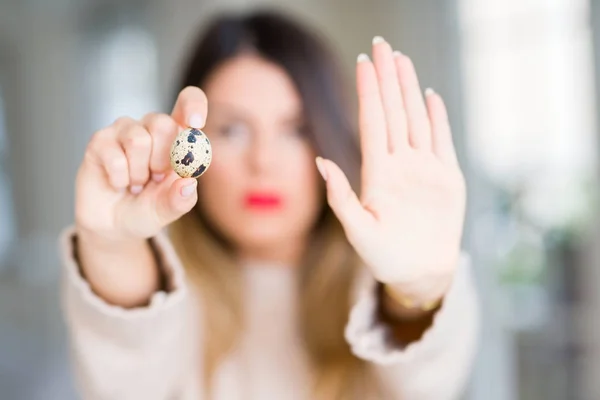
point(408, 222)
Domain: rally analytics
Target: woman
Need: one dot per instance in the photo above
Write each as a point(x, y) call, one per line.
point(295, 288)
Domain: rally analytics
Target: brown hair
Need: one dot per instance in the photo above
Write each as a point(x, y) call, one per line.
point(330, 263)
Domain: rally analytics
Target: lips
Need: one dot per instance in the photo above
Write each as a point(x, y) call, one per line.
point(263, 201)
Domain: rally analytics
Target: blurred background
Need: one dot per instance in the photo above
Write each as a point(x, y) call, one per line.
point(521, 81)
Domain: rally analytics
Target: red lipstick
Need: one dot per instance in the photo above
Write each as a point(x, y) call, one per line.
point(262, 201)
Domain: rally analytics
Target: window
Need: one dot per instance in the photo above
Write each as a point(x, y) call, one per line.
point(531, 133)
point(7, 229)
point(121, 75)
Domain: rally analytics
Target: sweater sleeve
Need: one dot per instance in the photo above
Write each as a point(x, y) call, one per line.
point(437, 366)
point(128, 354)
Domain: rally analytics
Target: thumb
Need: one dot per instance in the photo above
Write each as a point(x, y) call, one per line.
point(179, 199)
point(191, 108)
point(342, 199)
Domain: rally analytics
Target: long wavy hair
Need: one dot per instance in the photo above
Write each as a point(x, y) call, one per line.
point(329, 263)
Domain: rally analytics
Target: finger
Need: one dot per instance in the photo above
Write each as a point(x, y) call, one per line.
point(391, 95)
point(137, 144)
point(440, 126)
point(418, 121)
point(342, 199)
point(373, 133)
point(180, 198)
point(107, 153)
point(163, 130)
point(191, 108)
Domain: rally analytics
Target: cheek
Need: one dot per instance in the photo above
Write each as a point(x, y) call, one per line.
point(219, 188)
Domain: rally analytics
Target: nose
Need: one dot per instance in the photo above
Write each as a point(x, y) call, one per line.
point(262, 157)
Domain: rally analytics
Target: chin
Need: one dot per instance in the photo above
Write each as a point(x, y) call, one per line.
point(263, 236)
point(266, 237)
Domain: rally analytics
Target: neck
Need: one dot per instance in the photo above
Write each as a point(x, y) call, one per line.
point(288, 254)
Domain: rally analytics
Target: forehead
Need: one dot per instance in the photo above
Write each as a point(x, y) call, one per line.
point(252, 84)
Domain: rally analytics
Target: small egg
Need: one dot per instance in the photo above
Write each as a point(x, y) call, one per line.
point(191, 153)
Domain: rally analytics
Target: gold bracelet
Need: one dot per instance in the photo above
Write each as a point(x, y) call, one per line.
point(411, 304)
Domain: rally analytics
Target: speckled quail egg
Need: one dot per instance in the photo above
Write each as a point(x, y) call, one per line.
point(191, 153)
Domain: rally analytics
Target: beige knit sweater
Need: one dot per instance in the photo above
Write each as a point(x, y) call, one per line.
point(153, 353)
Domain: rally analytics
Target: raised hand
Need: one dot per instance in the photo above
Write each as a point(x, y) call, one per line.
point(408, 222)
point(125, 193)
point(125, 187)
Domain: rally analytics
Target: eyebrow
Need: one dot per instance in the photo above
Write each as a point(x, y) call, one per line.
point(223, 108)
point(228, 110)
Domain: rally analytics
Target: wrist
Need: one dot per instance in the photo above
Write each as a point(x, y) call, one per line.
point(106, 241)
point(120, 271)
point(418, 296)
point(406, 302)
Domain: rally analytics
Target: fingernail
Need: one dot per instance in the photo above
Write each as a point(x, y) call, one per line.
point(362, 57)
point(396, 53)
point(429, 92)
point(196, 121)
point(158, 177)
point(378, 39)
point(136, 189)
point(189, 190)
point(321, 168)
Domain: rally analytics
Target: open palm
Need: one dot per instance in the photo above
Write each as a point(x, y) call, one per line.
point(408, 222)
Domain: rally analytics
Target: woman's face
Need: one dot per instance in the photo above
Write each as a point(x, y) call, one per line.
point(262, 190)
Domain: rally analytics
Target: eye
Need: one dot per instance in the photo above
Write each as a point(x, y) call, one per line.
point(298, 131)
point(233, 131)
